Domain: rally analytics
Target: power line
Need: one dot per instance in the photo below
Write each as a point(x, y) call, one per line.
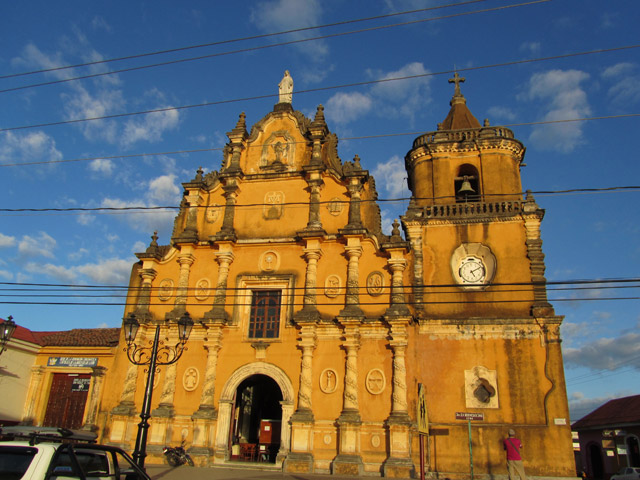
point(306, 203)
point(340, 139)
point(264, 47)
point(240, 39)
point(332, 87)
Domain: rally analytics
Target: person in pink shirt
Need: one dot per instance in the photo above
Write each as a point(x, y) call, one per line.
point(514, 460)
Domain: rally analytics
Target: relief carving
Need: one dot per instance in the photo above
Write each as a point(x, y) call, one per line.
point(332, 286)
point(165, 292)
point(191, 379)
point(273, 205)
point(375, 381)
point(203, 289)
point(328, 380)
point(375, 283)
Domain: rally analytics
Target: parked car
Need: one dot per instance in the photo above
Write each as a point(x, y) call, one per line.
point(627, 473)
point(46, 453)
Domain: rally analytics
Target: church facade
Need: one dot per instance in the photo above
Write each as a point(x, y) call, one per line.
point(314, 331)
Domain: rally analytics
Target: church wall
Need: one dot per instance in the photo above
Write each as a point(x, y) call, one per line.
point(334, 206)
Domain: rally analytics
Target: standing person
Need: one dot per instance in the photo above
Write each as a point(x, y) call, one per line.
point(514, 461)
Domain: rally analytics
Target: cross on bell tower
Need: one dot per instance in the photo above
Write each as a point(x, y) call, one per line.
point(457, 79)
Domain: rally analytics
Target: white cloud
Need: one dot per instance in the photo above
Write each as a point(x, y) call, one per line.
point(626, 83)
point(606, 353)
point(161, 191)
point(43, 245)
point(85, 219)
point(7, 241)
point(98, 22)
point(346, 107)
point(113, 271)
point(83, 104)
point(391, 175)
point(562, 97)
point(281, 15)
point(34, 146)
point(150, 128)
point(532, 48)
point(501, 113)
point(103, 166)
point(6, 275)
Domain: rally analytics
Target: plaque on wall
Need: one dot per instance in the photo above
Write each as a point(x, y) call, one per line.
point(203, 287)
point(166, 289)
point(332, 286)
point(375, 283)
point(375, 381)
point(190, 379)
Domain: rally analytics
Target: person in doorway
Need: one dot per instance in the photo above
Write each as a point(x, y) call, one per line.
point(514, 460)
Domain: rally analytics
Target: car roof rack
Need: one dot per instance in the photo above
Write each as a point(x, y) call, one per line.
point(51, 434)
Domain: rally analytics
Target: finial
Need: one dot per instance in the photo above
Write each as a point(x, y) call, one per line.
point(356, 162)
point(285, 88)
point(153, 246)
point(319, 114)
point(241, 121)
point(486, 122)
point(395, 231)
point(199, 173)
point(457, 79)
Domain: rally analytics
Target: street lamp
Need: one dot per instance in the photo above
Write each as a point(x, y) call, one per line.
point(154, 355)
point(6, 332)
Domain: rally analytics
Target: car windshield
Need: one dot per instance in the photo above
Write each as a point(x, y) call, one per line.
point(14, 461)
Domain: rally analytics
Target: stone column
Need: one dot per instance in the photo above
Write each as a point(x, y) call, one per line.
point(95, 395)
point(204, 418)
point(144, 299)
point(29, 414)
point(185, 260)
point(301, 457)
point(224, 257)
point(230, 194)
point(352, 301)
point(127, 405)
point(348, 461)
point(309, 310)
point(314, 222)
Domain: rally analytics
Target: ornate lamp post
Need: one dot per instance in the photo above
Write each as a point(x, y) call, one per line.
point(154, 355)
point(6, 332)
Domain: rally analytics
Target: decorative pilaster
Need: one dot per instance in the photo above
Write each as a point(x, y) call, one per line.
point(224, 257)
point(309, 310)
point(29, 414)
point(301, 457)
point(227, 232)
point(213, 344)
point(95, 395)
point(348, 461)
point(185, 260)
point(127, 405)
point(532, 218)
point(352, 301)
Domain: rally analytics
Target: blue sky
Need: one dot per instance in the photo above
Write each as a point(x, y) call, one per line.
point(587, 236)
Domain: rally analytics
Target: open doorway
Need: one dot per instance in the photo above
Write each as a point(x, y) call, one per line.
point(257, 420)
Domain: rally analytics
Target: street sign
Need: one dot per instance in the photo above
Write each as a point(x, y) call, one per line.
point(469, 416)
point(423, 417)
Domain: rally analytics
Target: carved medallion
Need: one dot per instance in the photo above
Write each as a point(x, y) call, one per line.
point(327, 439)
point(203, 289)
point(269, 261)
point(375, 440)
point(375, 283)
point(375, 381)
point(332, 286)
point(190, 379)
point(328, 380)
point(335, 206)
point(165, 291)
point(273, 205)
point(481, 388)
point(213, 213)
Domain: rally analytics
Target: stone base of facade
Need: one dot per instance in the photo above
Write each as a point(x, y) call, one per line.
point(298, 463)
point(398, 468)
point(347, 465)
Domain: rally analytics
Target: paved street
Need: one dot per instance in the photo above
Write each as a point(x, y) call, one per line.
point(165, 472)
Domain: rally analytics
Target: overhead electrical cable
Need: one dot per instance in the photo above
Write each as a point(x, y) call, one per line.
point(333, 87)
point(240, 39)
point(264, 47)
point(363, 137)
point(306, 203)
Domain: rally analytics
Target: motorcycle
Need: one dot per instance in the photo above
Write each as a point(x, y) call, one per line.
point(177, 456)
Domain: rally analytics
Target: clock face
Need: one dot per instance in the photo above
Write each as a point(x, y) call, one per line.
point(472, 270)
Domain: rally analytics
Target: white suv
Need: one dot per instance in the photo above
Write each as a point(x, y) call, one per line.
point(43, 453)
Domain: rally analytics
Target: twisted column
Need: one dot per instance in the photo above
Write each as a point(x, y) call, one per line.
point(144, 299)
point(185, 260)
point(94, 399)
point(352, 295)
point(224, 259)
point(307, 344)
point(213, 346)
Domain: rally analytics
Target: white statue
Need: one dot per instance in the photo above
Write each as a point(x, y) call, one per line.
point(285, 88)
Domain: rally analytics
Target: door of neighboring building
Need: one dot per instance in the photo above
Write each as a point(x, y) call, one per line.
point(633, 451)
point(595, 461)
point(67, 398)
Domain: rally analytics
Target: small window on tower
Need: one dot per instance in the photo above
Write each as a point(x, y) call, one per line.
point(264, 321)
point(467, 184)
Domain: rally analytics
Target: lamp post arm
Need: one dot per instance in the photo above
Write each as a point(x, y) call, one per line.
point(140, 451)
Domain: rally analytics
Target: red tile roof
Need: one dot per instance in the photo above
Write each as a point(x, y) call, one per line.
point(79, 337)
point(620, 411)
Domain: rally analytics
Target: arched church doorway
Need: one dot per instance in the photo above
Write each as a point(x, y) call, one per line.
point(257, 419)
point(595, 461)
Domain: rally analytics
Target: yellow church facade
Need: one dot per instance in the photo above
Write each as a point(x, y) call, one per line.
point(314, 330)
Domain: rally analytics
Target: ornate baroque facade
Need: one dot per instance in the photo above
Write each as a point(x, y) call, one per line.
point(313, 329)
